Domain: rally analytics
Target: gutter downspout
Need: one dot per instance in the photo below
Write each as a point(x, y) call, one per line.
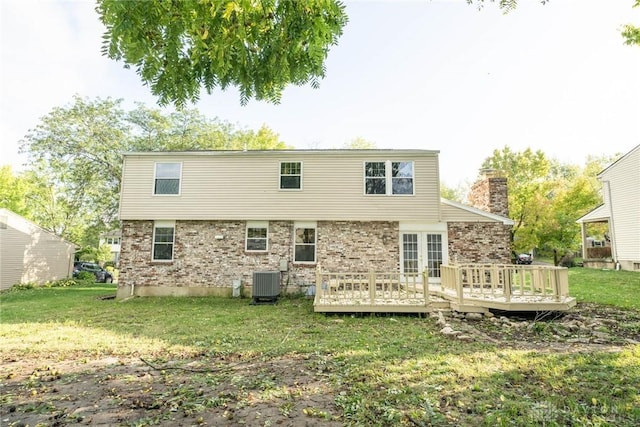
point(612, 227)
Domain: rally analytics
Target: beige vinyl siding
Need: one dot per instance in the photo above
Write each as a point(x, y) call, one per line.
point(30, 254)
point(245, 185)
point(624, 200)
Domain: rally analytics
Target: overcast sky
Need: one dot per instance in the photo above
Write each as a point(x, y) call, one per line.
point(437, 75)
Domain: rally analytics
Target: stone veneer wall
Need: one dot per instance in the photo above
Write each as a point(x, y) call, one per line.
point(205, 265)
point(490, 195)
point(479, 242)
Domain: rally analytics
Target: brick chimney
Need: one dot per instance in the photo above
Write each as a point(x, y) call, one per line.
point(489, 193)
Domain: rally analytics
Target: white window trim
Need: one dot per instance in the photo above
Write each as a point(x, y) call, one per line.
point(256, 224)
point(306, 224)
point(388, 171)
point(280, 175)
point(163, 224)
point(153, 186)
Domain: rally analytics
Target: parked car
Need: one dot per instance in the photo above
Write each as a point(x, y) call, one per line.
point(102, 275)
point(524, 259)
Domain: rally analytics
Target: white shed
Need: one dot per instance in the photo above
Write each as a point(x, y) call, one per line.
point(31, 254)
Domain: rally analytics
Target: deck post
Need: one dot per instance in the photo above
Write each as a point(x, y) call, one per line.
point(425, 286)
point(506, 288)
point(372, 287)
point(458, 285)
point(556, 284)
point(319, 289)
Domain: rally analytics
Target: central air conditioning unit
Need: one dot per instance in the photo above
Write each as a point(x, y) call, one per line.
point(266, 286)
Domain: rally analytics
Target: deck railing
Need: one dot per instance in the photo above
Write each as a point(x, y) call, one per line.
point(372, 288)
point(505, 281)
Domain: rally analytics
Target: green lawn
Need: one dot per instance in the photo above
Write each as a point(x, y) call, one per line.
point(382, 370)
point(618, 288)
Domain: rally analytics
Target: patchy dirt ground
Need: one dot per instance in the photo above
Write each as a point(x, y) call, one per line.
point(227, 392)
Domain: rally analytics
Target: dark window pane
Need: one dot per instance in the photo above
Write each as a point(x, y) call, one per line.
point(374, 169)
point(402, 185)
point(163, 251)
point(290, 168)
point(257, 233)
point(164, 235)
point(375, 186)
point(290, 182)
point(167, 186)
point(256, 244)
point(305, 253)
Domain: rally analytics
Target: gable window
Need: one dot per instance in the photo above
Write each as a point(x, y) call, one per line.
point(388, 178)
point(257, 234)
point(290, 175)
point(167, 178)
point(305, 242)
point(163, 240)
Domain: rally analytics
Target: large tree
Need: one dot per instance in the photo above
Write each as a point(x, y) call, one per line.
point(179, 47)
point(75, 157)
point(546, 198)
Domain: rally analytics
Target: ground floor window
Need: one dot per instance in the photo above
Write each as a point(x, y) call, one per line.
point(257, 236)
point(163, 240)
point(305, 242)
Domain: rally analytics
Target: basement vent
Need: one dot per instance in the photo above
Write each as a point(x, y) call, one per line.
point(266, 286)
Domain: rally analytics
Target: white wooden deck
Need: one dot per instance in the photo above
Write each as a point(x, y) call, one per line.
point(464, 288)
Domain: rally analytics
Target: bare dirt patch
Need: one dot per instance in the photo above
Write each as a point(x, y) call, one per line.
point(112, 391)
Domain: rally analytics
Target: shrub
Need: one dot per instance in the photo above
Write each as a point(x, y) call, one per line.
point(23, 286)
point(85, 276)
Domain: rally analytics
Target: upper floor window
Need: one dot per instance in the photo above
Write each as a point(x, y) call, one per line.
point(389, 178)
point(163, 240)
point(167, 178)
point(375, 179)
point(290, 175)
point(401, 177)
point(305, 243)
point(257, 234)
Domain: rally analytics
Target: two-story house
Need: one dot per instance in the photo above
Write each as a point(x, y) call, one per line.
point(193, 223)
point(620, 210)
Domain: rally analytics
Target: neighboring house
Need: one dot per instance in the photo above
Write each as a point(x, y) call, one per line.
point(112, 239)
point(193, 223)
point(31, 254)
point(621, 212)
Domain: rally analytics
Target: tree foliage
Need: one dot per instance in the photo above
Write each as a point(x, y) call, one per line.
point(630, 32)
point(13, 191)
point(359, 143)
point(454, 194)
point(75, 157)
point(546, 197)
point(180, 47)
